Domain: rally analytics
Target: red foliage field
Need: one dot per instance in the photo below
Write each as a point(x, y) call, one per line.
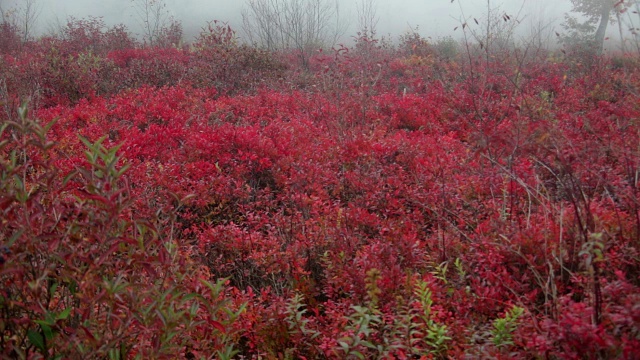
point(218, 201)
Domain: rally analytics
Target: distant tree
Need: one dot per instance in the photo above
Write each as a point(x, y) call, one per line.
point(596, 12)
point(540, 31)
point(631, 22)
point(2, 11)
point(301, 25)
point(23, 16)
point(7, 13)
point(29, 13)
point(494, 33)
point(367, 17)
point(158, 26)
point(10, 39)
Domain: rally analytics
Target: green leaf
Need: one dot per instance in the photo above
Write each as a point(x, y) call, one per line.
point(43, 322)
point(14, 237)
point(368, 344)
point(35, 338)
point(64, 314)
point(73, 287)
point(48, 332)
point(3, 127)
point(50, 319)
point(23, 109)
point(215, 289)
point(50, 124)
point(18, 182)
point(114, 354)
point(343, 345)
point(69, 177)
point(123, 169)
point(53, 288)
point(190, 296)
point(86, 142)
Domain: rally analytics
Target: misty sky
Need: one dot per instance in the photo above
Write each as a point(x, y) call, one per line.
point(433, 17)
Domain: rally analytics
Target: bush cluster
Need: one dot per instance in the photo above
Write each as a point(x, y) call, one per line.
point(381, 202)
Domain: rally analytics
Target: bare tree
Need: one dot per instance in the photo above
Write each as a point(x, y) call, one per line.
point(153, 16)
point(7, 12)
point(263, 24)
point(631, 19)
point(2, 20)
point(495, 32)
point(596, 12)
point(23, 16)
point(540, 34)
point(29, 13)
point(367, 17)
point(302, 25)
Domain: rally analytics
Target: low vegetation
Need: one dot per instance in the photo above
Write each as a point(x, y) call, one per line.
point(215, 200)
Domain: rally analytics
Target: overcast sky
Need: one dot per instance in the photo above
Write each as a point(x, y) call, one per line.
point(433, 17)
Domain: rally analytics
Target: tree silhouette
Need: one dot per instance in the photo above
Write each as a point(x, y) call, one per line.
point(596, 12)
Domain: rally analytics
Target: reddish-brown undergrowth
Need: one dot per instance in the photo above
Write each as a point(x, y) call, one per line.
point(381, 204)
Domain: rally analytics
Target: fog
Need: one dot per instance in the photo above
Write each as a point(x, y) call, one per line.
point(432, 18)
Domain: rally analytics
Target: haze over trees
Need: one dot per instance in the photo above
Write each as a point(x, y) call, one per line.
point(292, 198)
point(303, 25)
point(598, 14)
point(24, 17)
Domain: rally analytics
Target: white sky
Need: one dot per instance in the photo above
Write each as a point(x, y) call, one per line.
point(433, 17)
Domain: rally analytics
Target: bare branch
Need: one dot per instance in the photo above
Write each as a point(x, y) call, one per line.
point(301, 25)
